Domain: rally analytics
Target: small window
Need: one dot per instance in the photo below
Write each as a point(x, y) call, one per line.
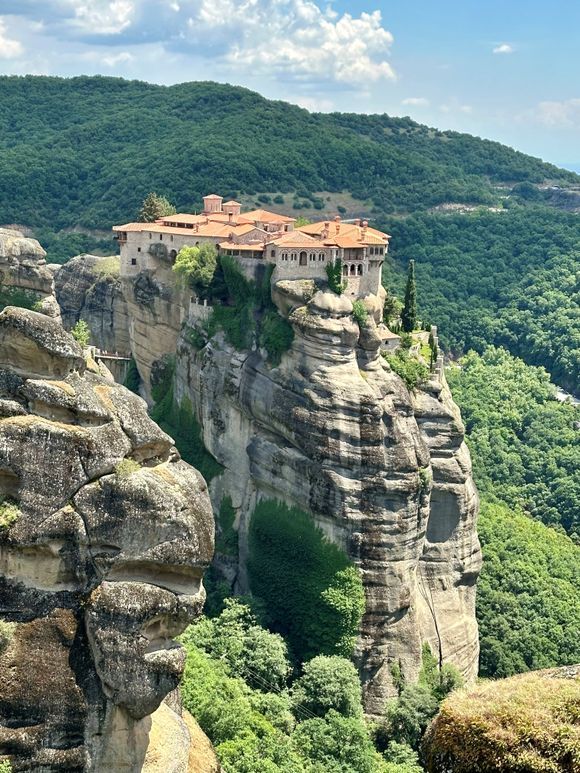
point(171, 237)
point(273, 253)
point(293, 256)
point(138, 249)
point(133, 261)
point(150, 236)
point(161, 237)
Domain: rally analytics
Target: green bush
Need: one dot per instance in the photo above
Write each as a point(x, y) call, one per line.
point(81, 333)
point(195, 267)
point(5, 767)
point(9, 512)
point(319, 608)
point(276, 335)
point(179, 421)
point(359, 312)
point(328, 682)
point(337, 744)
point(334, 274)
point(409, 368)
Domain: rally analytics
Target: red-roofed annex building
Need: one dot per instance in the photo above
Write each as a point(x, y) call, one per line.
point(256, 238)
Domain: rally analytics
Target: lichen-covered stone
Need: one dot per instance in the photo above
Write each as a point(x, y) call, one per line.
point(101, 561)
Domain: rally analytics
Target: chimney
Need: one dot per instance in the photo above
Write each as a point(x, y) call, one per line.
point(357, 222)
point(325, 231)
point(230, 217)
point(337, 224)
point(364, 229)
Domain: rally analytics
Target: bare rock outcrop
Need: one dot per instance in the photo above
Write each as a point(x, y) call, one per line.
point(24, 275)
point(88, 287)
point(104, 536)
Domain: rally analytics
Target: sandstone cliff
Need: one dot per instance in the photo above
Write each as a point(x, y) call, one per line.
point(385, 473)
point(104, 536)
point(24, 275)
point(88, 287)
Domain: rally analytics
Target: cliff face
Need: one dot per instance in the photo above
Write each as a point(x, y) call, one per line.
point(88, 287)
point(104, 536)
point(383, 472)
point(23, 272)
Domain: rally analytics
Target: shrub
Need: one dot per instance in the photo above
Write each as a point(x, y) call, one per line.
point(359, 312)
point(409, 368)
point(328, 683)
point(276, 335)
point(9, 512)
point(318, 608)
point(527, 723)
point(127, 467)
point(334, 274)
point(407, 716)
point(278, 199)
point(110, 266)
point(81, 333)
point(5, 767)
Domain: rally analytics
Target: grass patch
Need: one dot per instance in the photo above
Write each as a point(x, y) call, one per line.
point(9, 512)
point(127, 467)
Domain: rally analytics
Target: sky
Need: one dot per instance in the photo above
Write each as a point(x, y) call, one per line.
point(507, 71)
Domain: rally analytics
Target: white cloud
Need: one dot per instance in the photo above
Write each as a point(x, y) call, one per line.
point(295, 39)
point(504, 48)
point(101, 17)
point(121, 58)
point(9, 48)
point(416, 102)
point(563, 114)
point(285, 39)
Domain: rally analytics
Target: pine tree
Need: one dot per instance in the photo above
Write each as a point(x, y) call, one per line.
point(409, 313)
point(154, 207)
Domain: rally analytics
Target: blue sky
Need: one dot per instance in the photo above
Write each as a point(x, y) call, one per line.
point(507, 71)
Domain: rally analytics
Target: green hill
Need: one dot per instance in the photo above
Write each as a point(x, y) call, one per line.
point(85, 151)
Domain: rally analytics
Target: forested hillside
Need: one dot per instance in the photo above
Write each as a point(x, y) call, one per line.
point(86, 151)
point(526, 456)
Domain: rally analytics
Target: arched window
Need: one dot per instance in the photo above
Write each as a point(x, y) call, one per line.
point(303, 258)
point(352, 269)
point(173, 254)
point(345, 270)
point(312, 256)
point(359, 269)
point(293, 256)
point(284, 256)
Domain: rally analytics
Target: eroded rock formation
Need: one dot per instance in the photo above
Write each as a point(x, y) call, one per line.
point(88, 287)
point(24, 275)
point(333, 430)
point(104, 536)
point(383, 472)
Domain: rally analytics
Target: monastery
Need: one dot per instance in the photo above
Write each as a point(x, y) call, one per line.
point(256, 238)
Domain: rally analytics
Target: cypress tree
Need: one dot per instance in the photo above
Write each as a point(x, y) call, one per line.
point(409, 313)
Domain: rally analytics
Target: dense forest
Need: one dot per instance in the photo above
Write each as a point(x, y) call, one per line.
point(86, 151)
point(526, 456)
point(508, 278)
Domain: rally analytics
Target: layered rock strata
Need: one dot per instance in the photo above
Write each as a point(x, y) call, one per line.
point(385, 473)
point(24, 275)
point(104, 536)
